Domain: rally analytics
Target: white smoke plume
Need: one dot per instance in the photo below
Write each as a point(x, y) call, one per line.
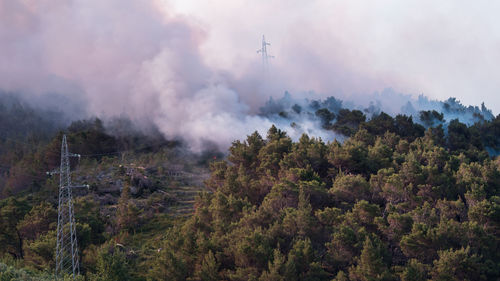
point(127, 57)
point(145, 60)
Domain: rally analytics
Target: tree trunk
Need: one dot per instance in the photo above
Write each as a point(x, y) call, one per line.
point(21, 254)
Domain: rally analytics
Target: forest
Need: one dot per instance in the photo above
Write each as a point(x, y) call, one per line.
point(396, 200)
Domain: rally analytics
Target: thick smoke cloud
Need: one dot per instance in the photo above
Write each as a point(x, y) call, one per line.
point(90, 49)
point(190, 68)
point(128, 57)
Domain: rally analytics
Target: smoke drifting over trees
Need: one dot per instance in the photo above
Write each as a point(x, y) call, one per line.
point(141, 60)
point(325, 172)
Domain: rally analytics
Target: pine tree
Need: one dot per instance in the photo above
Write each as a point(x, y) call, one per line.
point(112, 265)
point(209, 268)
point(304, 219)
point(371, 265)
point(414, 271)
point(127, 213)
point(275, 268)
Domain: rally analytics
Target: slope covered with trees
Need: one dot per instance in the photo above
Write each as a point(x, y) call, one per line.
point(373, 208)
point(394, 201)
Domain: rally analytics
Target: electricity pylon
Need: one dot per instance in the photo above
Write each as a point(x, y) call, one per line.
point(67, 261)
point(265, 56)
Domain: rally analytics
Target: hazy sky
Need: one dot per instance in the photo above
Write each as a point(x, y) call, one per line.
point(438, 48)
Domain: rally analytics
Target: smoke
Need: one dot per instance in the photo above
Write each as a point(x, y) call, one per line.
point(127, 57)
point(144, 60)
point(351, 48)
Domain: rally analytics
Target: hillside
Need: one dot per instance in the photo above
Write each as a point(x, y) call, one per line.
point(396, 200)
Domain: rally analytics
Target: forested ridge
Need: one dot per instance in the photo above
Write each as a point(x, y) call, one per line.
point(373, 208)
point(394, 201)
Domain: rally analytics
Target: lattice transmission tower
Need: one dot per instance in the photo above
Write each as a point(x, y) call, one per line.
point(67, 261)
point(265, 56)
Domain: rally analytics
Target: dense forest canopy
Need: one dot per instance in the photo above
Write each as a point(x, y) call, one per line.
point(397, 200)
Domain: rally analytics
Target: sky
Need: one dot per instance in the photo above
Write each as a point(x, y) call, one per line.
point(191, 67)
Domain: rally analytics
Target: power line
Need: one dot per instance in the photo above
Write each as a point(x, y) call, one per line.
point(97, 154)
point(103, 154)
point(15, 173)
point(123, 151)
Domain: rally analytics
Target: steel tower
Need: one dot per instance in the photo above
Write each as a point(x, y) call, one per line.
point(263, 51)
point(67, 261)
